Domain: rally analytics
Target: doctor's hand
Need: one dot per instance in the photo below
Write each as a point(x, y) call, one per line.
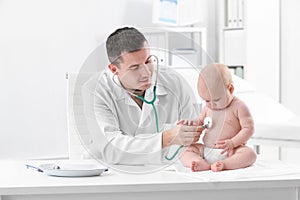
point(189, 122)
point(181, 135)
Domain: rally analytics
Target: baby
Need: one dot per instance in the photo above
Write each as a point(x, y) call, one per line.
point(232, 125)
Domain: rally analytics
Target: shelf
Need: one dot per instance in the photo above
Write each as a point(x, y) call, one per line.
point(233, 28)
point(169, 42)
point(184, 51)
point(174, 29)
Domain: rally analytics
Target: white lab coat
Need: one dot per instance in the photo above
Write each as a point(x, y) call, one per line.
point(122, 133)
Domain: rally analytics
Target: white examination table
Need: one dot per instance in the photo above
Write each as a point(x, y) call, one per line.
point(18, 183)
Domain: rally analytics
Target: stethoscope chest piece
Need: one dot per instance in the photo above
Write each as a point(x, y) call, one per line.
point(207, 122)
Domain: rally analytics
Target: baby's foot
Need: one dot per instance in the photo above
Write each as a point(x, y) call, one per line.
point(195, 167)
point(199, 166)
point(217, 166)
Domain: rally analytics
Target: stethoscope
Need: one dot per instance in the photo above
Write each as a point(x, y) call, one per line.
point(142, 98)
point(206, 124)
point(207, 121)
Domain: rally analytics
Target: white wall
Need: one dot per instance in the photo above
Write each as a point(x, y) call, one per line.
point(211, 22)
point(39, 42)
point(273, 32)
point(262, 46)
point(290, 43)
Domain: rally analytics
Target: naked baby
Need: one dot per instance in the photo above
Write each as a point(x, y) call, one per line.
point(224, 143)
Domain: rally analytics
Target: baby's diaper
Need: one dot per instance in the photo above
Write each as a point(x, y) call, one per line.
point(212, 155)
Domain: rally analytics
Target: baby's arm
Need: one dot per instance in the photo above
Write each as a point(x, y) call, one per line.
point(247, 129)
point(246, 123)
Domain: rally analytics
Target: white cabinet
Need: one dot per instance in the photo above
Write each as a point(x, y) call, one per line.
point(254, 43)
point(178, 46)
point(232, 48)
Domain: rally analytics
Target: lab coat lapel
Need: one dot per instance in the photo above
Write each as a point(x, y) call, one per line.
point(122, 97)
point(148, 114)
point(121, 93)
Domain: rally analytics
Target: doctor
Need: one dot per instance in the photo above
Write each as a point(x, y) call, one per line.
point(125, 130)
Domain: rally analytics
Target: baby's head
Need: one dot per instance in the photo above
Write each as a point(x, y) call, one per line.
point(215, 86)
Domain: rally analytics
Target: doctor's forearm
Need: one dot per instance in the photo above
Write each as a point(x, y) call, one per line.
point(166, 138)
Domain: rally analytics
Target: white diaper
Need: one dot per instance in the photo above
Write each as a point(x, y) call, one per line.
point(212, 155)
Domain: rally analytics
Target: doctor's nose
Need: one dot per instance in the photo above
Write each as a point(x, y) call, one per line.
point(144, 70)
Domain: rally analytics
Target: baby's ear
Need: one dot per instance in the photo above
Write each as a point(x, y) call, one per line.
point(231, 88)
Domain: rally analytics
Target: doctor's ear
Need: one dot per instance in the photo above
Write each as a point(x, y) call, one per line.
point(113, 68)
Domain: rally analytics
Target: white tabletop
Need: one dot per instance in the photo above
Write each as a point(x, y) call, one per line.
point(16, 179)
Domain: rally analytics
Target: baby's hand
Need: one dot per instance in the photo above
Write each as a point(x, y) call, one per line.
point(227, 145)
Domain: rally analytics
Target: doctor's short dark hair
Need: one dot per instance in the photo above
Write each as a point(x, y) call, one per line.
point(123, 40)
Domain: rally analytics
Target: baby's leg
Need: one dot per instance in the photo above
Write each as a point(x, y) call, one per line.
point(243, 157)
point(191, 158)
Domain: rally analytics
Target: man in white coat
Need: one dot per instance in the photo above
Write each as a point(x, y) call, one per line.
point(123, 127)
